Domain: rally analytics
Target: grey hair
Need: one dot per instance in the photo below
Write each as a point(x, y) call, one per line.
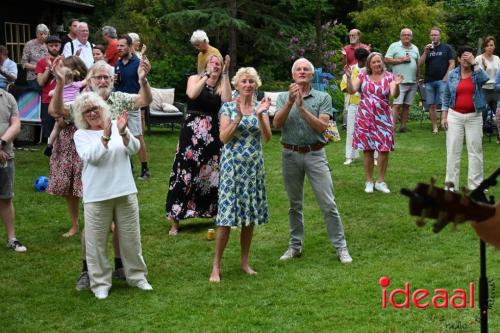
point(303, 60)
point(110, 31)
point(199, 36)
point(369, 59)
point(82, 103)
point(250, 71)
point(80, 24)
point(42, 28)
point(135, 37)
point(101, 64)
point(411, 32)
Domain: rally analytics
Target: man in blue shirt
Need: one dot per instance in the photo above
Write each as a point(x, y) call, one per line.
point(127, 81)
point(8, 68)
point(438, 59)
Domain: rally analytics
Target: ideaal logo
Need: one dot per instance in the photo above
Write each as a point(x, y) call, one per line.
point(423, 298)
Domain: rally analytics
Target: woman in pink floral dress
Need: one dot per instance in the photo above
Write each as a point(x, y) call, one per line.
point(194, 180)
point(65, 174)
point(374, 126)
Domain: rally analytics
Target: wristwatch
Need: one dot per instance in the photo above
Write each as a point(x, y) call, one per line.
point(3, 143)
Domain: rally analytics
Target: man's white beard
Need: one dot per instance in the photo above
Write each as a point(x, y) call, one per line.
point(103, 92)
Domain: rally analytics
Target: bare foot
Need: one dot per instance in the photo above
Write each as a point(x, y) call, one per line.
point(174, 229)
point(247, 269)
point(71, 232)
point(215, 276)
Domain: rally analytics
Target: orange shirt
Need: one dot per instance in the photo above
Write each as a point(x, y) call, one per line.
point(111, 53)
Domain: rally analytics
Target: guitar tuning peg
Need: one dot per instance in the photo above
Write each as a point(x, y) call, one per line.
point(459, 218)
point(464, 200)
point(442, 217)
point(420, 222)
point(433, 181)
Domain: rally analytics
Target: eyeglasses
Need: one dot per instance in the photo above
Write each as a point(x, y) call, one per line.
point(101, 77)
point(92, 109)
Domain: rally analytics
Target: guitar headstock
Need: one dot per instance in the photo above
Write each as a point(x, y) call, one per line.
point(445, 206)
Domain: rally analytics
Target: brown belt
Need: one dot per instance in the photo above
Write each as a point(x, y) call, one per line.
point(304, 149)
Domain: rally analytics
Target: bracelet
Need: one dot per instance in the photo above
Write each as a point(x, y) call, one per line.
point(105, 138)
point(124, 133)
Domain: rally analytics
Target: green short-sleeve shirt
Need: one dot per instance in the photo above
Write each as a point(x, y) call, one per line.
point(296, 130)
point(408, 70)
point(8, 110)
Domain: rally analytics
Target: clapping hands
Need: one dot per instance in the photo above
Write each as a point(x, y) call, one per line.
point(121, 122)
point(264, 105)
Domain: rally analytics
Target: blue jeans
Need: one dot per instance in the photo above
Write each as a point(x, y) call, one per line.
point(434, 92)
point(315, 165)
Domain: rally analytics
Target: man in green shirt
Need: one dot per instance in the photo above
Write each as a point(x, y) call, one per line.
point(404, 56)
point(303, 115)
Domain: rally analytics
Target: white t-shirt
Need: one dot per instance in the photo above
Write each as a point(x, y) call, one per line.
point(491, 68)
point(106, 173)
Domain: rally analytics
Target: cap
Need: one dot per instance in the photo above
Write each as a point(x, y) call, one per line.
point(53, 39)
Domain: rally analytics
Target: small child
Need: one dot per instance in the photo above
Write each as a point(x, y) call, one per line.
point(71, 91)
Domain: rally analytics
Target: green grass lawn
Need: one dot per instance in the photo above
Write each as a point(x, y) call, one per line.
point(312, 294)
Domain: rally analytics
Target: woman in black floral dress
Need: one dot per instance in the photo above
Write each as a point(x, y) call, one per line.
point(194, 180)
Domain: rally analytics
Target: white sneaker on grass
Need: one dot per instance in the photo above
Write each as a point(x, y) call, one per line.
point(348, 161)
point(344, 256)
point(144, 285)
point(369, 187)
point(382, 187)
point(291, 253)
point(16, 245)
point(101, 294)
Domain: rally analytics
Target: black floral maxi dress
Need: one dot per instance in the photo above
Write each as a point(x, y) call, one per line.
point(194, 180)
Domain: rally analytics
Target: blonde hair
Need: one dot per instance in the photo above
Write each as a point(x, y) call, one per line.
point(218, 84)
point(369, 59)
point(250, 71)
point(84, 102)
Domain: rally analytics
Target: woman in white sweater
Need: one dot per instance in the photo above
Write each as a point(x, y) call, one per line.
point(109, 192)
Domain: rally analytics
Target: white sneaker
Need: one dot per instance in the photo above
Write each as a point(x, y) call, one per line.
point(16, 245)
point(144, 285)
point(348, 161)
point(344, 256)
point(369, 187)
point(290, 253)
point(382, 187)
point(101, 294)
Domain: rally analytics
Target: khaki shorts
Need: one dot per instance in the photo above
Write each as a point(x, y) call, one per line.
point(7, 180)
point(407, 92)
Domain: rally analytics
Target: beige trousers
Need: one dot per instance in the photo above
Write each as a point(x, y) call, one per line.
point(124, 211)
point(468, 126)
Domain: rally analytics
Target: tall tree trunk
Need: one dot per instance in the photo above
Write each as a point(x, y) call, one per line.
point(233, 52)
point(319, 37)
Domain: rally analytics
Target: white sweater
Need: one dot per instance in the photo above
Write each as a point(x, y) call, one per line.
point(106, 172)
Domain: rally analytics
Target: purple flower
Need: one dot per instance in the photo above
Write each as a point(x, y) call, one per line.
point(302, 51)
point(294, 40)
point(292, 58)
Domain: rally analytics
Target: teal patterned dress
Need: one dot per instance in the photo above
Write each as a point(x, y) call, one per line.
point(242, 193)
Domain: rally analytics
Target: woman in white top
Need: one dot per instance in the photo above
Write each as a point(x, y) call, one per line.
point(491, 64)
point(109, 192)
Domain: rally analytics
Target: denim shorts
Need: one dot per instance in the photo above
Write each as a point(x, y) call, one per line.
point(7, 180)
point(434, 91)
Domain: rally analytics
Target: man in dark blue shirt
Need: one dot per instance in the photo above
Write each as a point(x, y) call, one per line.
point(438, 59)
point(127, 81)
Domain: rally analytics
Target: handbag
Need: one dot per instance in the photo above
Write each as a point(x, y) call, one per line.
point(331, 133)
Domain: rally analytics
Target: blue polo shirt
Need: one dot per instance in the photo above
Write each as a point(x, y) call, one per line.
point(129, 80)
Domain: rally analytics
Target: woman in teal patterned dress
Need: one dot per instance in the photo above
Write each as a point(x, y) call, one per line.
point(242, 196)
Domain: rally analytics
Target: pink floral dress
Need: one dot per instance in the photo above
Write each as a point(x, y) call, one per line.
point(194, 180)
point(373, 126)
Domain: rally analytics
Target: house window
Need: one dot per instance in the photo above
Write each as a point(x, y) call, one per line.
point(16, 36)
